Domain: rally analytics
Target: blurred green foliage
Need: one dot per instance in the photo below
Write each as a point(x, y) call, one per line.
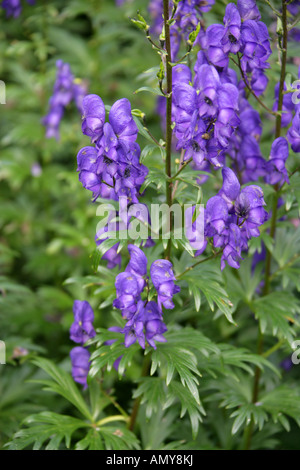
point(47, 229)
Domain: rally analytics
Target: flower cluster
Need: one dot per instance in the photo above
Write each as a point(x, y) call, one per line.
point(14, 7)
point(233, 217)
point(205, 114)
point(66, 89)
point(242, 33)
point(187, 16)
point(111, 168)
point(144, 319)
point(80, 332)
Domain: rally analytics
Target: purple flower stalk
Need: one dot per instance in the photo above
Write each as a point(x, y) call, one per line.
point(66, 89)
point(82, 329)
point(80, 359)
point(110, 169)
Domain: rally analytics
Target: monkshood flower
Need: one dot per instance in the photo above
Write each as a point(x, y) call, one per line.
point(112, 256)
point(187, 17)
point(232, 250)
point(128, 293)
point(248, 10)
point(222, 40)
point(137, 265)
point(276, 171)
point(205, 115)
point(233, 217)
point(194, 230)
point(163, 278)
point(112, 168)
point(65, 89)
point(293, 134)
point(145, 326)
point(14, 7)
point(144, 319)
point(288, 107)
point(256, 45)
point(93, 117)
point(82, 329)
point(80, 359)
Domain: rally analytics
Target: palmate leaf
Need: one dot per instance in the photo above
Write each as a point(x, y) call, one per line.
point(105, 355)
point(108, 438)
point(231, 360)
point(62, 384)
point(181, 360)
point(283, 400)
point(275, 311)
point(43, 427)
point(118, 438)
point(153, 391)
point(176, 391)
point(92, 441)
point(208, 281)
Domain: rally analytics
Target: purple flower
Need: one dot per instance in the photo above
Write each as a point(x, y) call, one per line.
point(145, 325)
point(128, 293)
point(288, 106)
point(293, 134)
point(93, 116)
point(80, 365)
point(154, 325)
point(122, 121)
point(163, 278)
point(276, 171)
point(137, 265)
point(82, 329)
point(12, 7)
point(256, 45)
point(232, 250)
point(113, 168)
point(216, 215)
point(65, 89)
point(248, 10)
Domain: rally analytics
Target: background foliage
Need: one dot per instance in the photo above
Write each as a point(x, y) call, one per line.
point(204, 373)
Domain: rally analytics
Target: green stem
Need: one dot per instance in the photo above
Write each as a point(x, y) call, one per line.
point(137, 402)
point(239, 65)
point(213, 256)
point(249, 430)
point(168, 169)
point(111, 419)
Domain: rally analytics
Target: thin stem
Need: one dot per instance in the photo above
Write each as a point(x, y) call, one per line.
point(295, 22)
point(277, 13)
point(183, 165)
point(168, 169)
point(274, 348)
point(249, 430)
point(239, 65)
point(213, 256)
point(110, 419)
point(137, 402)
point(115, 403)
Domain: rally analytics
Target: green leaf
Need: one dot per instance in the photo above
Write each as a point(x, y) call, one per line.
point(176, 391)
point(63, 384)
point(43, 427)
